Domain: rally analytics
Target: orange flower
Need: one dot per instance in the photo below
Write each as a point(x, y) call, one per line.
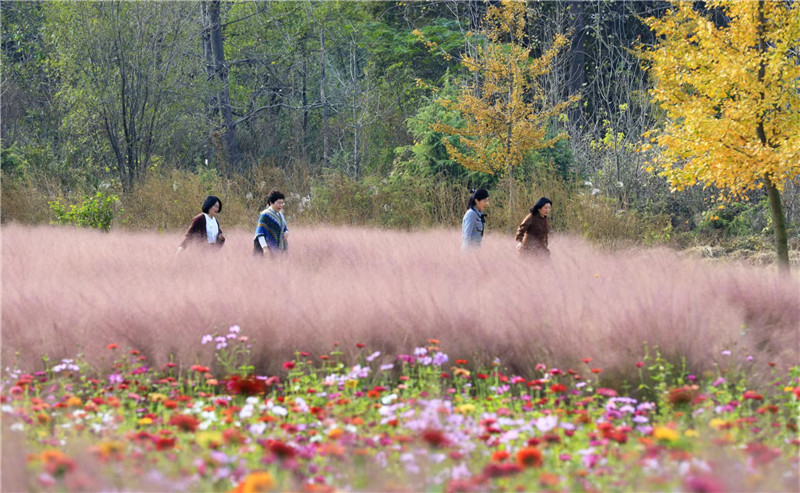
point(499, 456)
point(529, 457)
point(335, 433)
point(256, 482)
point(433, 341)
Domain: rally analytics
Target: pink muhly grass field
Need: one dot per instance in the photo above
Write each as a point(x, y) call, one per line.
point(67, 291)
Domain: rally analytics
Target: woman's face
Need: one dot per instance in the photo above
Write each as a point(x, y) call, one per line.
point(214, 209)
point(481, 204)
point(544, 211)
point(277, 205)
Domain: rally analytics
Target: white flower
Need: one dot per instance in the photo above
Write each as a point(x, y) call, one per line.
point(258, 428)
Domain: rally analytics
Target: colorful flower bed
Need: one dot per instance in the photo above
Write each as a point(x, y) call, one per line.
point(422, 421)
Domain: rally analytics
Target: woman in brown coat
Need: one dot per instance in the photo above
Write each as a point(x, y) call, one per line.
point(532, 233)
point(204, 228)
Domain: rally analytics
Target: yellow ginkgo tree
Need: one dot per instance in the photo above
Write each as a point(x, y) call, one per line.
point(505, 108)
point(731, 96)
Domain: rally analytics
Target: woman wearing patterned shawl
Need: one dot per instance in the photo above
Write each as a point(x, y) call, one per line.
point(271, 231)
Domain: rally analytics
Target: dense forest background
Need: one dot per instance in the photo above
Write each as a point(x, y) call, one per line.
point(157, 104)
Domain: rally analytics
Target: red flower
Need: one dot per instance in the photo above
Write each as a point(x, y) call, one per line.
point(282, 450)
point(184, 422)
point(529, 457)
point(495, 470)
point(587, 360)
point(164, 443)
point(288, 365)
point(435, 438)
point(682, 395)
point(596, 370)
point(200, 369)
point(639, 364)
point(249, 385)
point(360, 345)
point(558, 388)
point(112, 346)
point(483, 376)
point(750, 394)
point(461, 362)
point(606, 392)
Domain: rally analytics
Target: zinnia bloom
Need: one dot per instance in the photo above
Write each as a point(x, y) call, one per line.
point(256, 482)
point(184, 422)
point(282, 450)
point(435, 438)
point(529, 457)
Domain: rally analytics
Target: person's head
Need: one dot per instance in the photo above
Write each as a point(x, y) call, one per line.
point(212, 205)
point(542, 207)
point(479, 199)
point(275, 200)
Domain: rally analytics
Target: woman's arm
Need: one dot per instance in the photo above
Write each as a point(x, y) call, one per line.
point(523, 228)
point(197, 230)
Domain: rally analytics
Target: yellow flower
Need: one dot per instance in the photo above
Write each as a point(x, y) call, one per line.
point(691, 433)
point(351, 384)
point(716, 423)
point(156, 397)
point(465, 408)
point(206, 438)
point(145, 421)
point(788, 389)
point(664, 433)
point(107, 449)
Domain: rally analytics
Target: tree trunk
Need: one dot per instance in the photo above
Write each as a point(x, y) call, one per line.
point(577, 67)
point(775, 208)
point(778, 225)
point(223, 97)
point(324, 102)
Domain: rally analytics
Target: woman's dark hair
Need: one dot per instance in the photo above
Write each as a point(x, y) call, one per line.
point(209, 203)
point(478, 194)
point(274, 196)
point(539, 204)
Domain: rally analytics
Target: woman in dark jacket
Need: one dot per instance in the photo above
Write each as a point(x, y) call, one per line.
point(204, 228)
point(532, 233)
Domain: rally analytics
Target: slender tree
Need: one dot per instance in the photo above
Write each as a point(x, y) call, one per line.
point(118, 64)
point(506, 112)
point(732, 100)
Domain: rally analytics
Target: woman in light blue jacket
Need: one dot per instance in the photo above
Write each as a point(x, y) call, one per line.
point(472, 225)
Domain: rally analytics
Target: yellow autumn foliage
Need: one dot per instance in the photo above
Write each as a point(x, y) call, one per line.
point(731, 95)
point(506, 110)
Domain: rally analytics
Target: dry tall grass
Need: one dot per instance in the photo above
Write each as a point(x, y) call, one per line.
point(65, 288)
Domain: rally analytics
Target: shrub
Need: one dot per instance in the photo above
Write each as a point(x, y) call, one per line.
point(95, 212)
